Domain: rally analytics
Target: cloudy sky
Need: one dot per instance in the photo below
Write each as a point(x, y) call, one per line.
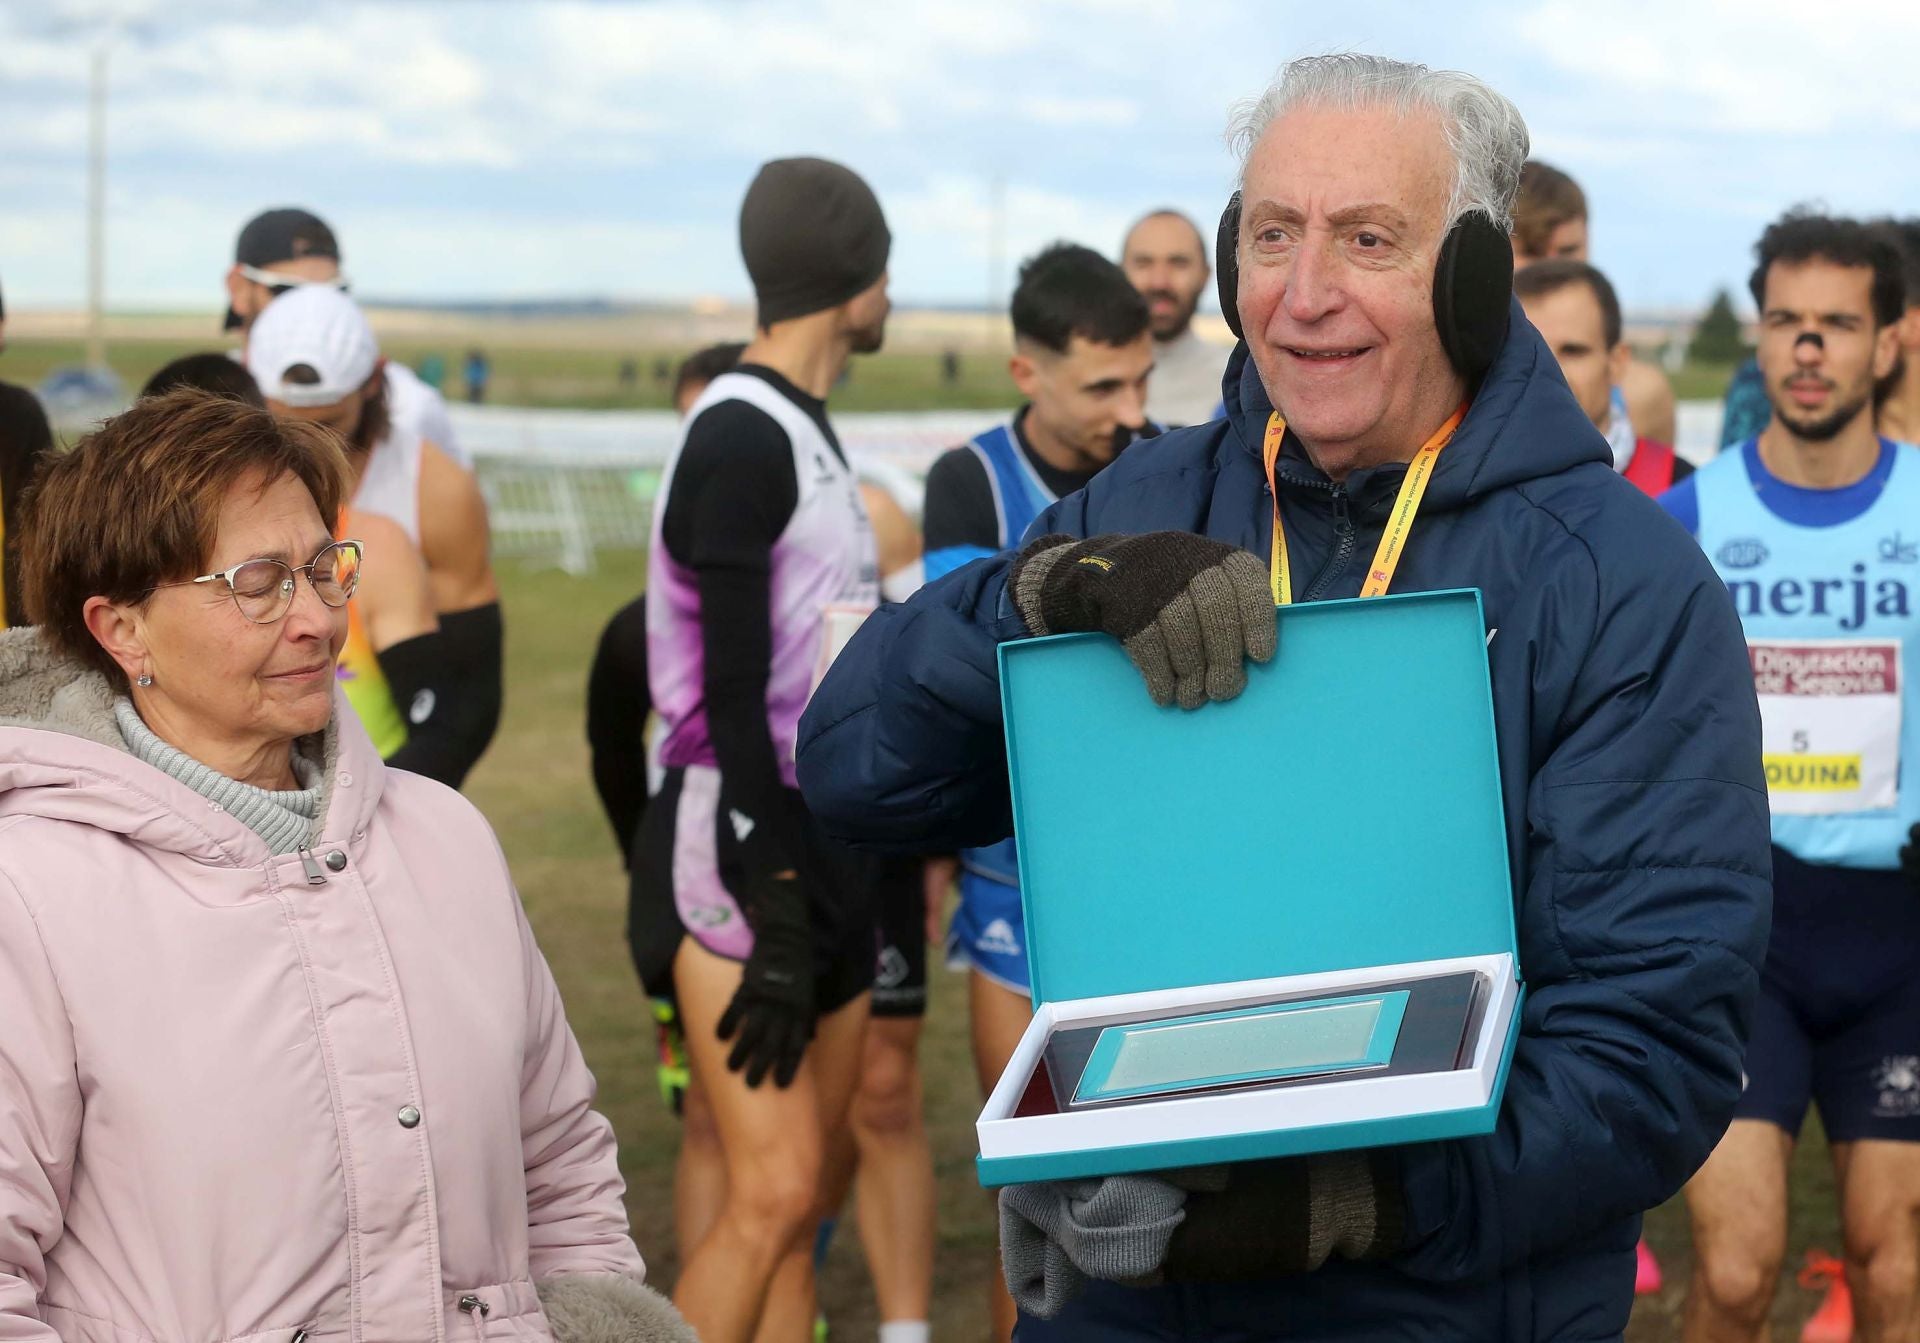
point(508, 150)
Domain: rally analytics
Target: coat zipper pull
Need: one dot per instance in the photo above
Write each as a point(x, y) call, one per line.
point(299, 1336)
point(315, 877)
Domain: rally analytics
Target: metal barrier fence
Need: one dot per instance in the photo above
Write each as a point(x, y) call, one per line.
point(564, 485)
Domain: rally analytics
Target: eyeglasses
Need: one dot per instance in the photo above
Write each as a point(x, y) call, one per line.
point(263, 589)
point(280, 283)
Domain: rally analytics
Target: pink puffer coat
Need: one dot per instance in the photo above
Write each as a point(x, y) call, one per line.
point(329, 1096)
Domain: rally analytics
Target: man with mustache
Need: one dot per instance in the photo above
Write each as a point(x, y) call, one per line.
point(1389, 400)
point(1166, 259)
point(1815, 527)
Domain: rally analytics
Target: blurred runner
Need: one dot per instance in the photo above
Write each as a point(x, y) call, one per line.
point(1812, 525)
point(478, 371)
point(1166, 259)
point(1082, 355)
point(885, 1142)
point(285, 247)
point(1550, 223)
point(1576, 312)
point(214, 371)
point(619, 704)
point(25, 437)
point(759, 926)
point(316, 359)
point(1898, 395)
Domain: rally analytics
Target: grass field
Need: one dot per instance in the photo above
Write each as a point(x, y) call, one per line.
point(534, 786)
point(590, 378)
point(587, 379)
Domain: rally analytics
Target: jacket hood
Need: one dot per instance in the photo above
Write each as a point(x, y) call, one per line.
point(62, 757)
point(1523, 423)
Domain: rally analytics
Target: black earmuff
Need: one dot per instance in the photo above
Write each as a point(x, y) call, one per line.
point(1472, 287)
point(1226, 265)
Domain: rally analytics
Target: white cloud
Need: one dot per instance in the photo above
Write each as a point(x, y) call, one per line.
point(1744, 65)
point(473, 149)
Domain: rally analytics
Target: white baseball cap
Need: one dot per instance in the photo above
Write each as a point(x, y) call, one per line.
point(319, 326)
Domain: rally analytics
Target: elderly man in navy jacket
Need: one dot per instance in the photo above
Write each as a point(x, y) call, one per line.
point(1368, 269)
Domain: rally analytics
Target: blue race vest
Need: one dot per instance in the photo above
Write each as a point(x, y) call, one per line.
point(1829, 608)
point(1019, 496)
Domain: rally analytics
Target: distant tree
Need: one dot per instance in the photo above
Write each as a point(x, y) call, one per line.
point(1717, 340)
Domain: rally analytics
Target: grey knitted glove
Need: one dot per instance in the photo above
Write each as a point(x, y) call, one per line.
point(1189, 610)
point(1290, 1215)
point(1055, 1236)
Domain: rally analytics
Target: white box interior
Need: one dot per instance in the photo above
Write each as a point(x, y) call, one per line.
point(1226, 1114)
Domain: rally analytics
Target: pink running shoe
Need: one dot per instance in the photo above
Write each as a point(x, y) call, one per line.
point(1646, 1272)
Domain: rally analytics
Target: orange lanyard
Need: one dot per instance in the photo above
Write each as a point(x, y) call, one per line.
point(1393, 541)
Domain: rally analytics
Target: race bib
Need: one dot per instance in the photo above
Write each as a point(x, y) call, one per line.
point(1829, 723)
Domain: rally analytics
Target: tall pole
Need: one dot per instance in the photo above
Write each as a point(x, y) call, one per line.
point(997, 244)
point(97, 211)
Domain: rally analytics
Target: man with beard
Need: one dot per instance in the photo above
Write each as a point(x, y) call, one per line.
point(1812, 527)
point(761, 928)
point(315, 359)
point(1166, 259)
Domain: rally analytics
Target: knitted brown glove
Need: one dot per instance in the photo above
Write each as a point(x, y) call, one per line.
point(1188, 610)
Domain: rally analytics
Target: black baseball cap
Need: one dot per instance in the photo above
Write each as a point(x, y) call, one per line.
point(282, 234)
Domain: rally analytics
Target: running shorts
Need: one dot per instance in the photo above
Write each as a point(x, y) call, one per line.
point(1838, 1018)
point(989, 931)
point(900, 937)
point(686, 871)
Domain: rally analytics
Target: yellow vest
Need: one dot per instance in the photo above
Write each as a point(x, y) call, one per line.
point(367, 690)
point(358, 672)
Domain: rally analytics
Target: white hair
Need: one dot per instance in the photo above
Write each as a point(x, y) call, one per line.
point(1485, 132)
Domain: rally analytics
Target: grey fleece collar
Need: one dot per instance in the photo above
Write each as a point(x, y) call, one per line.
point(42, 689)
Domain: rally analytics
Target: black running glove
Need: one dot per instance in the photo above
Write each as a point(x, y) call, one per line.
point(1189, 610)
point(770, 1018)
point(1910, 857)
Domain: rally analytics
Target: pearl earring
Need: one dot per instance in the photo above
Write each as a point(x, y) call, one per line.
point(144, 682)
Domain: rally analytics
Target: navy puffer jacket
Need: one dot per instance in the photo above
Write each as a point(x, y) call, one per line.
point(1629, 745)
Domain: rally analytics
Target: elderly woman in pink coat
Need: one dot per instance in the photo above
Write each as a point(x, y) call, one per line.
point(279, 1059)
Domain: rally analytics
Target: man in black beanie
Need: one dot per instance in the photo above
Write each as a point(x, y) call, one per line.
point(743, 912)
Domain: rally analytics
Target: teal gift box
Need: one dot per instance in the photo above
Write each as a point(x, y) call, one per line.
point(1279, 925)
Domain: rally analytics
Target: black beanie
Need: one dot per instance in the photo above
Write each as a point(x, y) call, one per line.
point(812, 235)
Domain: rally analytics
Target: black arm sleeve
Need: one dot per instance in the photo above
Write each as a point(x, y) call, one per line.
point(448, 687)
point(618, 700)
point(959, 504)
point(733, 493)
point(25, 437)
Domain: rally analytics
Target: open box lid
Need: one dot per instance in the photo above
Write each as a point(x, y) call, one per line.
point(1344, 812)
